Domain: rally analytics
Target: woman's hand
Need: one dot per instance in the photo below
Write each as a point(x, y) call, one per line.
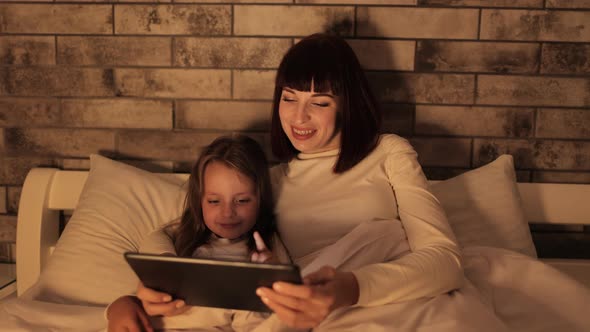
point(126, 314)
point(307, 305)
point(262, 255)
point(157, 303)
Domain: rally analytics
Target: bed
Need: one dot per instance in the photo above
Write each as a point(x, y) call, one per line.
point(64, 281)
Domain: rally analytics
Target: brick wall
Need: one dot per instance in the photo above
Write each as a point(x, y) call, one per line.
point(150, 83)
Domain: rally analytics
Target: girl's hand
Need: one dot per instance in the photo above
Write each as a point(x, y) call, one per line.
point(157, 303)
point(262, 255)
point(307, 305)
point(126, 314)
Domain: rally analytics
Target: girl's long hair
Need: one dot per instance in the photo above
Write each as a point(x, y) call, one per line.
point(243, 154)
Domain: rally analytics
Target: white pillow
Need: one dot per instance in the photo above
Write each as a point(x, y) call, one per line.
point(484, 207)
point(118, 206)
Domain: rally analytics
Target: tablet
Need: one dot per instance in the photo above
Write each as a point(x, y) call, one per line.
point(211, 283)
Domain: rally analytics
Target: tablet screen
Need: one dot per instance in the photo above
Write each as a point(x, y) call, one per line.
point(211, 283)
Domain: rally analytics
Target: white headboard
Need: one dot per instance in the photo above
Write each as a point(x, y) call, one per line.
point(47, 191)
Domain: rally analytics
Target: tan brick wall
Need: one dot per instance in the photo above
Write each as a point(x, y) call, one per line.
point(27, 50)
point(113, 51)
point(568, 4)
point(223, 115)
point(7, 228)
point(230, 52)
point(13, 199)
point(177, 19)
point(292, 20)
point(151, 83)
point(3, 199)
point(535, 25)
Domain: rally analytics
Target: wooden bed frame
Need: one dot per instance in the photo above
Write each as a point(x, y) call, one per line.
point(47, 191)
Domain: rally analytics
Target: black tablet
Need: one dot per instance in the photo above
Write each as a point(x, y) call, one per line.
point(210, 283)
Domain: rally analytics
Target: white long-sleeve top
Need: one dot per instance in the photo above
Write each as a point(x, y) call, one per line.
point(315, 207)
point(159, 243)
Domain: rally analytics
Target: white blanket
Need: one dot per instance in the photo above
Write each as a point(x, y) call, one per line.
point(504, 291)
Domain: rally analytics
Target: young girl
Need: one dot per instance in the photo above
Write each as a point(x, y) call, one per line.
point(228, 215)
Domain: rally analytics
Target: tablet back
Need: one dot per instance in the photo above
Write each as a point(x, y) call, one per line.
point(210, 283)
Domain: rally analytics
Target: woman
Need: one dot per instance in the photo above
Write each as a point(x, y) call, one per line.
point(339, 172)
point(340, 183)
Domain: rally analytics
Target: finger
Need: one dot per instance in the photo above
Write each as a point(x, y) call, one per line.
point(314, 309)
point(321, 276)
point(264, 256)
point(151, 295)
point(178, 311)
point(254, 257)
point(260, 246)
point(154, 309)
point(315, 300)
point(291, 302)
point(290, 317)
point(292, 290)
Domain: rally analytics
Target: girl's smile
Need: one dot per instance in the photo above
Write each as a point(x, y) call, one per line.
point(230, 201)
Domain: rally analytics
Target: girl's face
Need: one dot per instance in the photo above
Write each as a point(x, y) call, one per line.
point(230, 201)
point(309, 119)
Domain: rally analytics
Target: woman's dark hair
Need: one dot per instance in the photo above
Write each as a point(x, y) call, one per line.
point(331, 64)
point(243, 154)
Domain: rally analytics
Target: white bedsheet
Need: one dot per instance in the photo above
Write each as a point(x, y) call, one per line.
point(29, 315)
point(504, 291)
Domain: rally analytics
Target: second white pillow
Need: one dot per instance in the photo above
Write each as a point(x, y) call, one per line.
point(484, 207)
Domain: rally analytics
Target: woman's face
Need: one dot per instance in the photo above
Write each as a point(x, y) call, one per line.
point(309, 119)
point(229, 201)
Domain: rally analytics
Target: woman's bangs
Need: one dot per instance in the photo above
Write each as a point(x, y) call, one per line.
point(296, 79)
point(327, 82)
point(326, 76)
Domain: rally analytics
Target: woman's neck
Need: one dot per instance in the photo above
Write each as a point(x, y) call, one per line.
point(312, 155)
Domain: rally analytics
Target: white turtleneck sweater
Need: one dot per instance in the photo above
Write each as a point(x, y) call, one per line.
point(316, 207)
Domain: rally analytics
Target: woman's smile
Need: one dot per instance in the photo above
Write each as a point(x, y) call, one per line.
point(308, 119)
point(302, 134)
